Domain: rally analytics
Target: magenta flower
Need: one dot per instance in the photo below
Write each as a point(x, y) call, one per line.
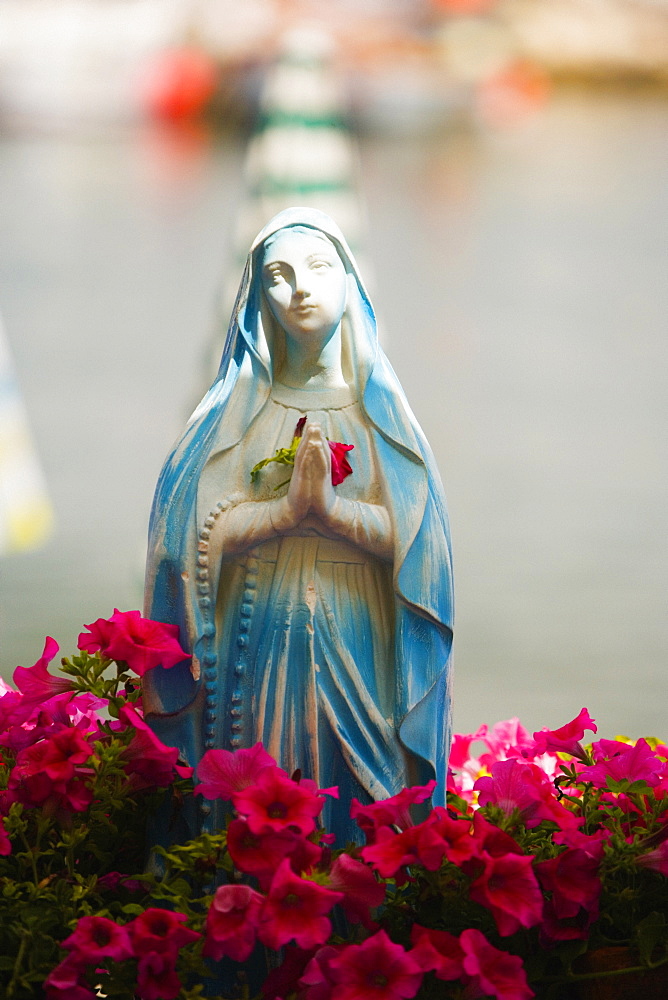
point(567, 739)
point(295, 910)
point(391, 851)
point(572, 878)
point(222, 772)
point(68, 982)
point(554, 928)
point(460, 846)
point(259, 854)
point(394, 811)
point(275, 802)
point(36, 684)
point(317, 981)
point(140, 642)
point(160, 931)
point(623, 762)
point(437, 951)
point(12, 711)
point(232, 922)
point(460, 752)
point(49, 774)
point(340, 464)
point(491, 839)
point(146, 758)
point(507, 887)
point(95, 939)
point(656, 859)
point(283, 981)
point(505, 740)
point(5, 842)
point(156, 976)
point(101, 633)
point(522, 786)
point(377, 969)
point(361, 891)
point(55, 757)
point(493, 972)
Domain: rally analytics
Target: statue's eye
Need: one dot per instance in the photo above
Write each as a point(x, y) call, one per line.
point(320, 265)
point(274, 277)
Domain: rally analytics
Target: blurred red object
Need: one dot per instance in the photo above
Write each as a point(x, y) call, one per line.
point(514, 93)
point(179, 83)
point(464, 7)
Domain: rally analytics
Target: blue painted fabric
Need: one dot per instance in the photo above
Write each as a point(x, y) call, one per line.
point(339, 662)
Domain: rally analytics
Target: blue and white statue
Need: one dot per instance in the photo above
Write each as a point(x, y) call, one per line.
point(319, 616)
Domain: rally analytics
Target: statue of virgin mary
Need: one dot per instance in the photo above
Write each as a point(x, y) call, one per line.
point(319, 617)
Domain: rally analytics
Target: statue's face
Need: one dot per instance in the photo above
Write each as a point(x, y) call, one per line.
point(305, 283)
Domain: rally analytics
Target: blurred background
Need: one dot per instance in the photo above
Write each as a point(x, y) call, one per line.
point(500, 167)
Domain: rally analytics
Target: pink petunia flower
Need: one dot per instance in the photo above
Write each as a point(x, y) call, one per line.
point(377, 969)
point(67, 982)
point(507, 887)
point(223, 772)
point(259, 854)
point(295, 910)
point(140, 642)
point(460, 845)
point(160, 931)
point(49, 774)
point(340, 464)
point(437, 951)
point(572, 878)
point(317, 981)
point(361, 891)
point(146, 758)
point(95, 939)
point(567, 739)
point(55, 757)
point(491, 839)
point(656, 859)
point(284, 980)
point(394, 811)
point(493, 972)
point(505, 740)
point(36, 684)
point(12, 711)
point(391, 851)
point(156, 976)
point(623, 762)
point(554, 928)
point(275, 802)
point(5, 842)
point(460, 752)
point(523, 786)
point(232, 922)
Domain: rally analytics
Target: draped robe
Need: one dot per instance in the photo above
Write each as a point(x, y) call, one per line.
point(337, 659)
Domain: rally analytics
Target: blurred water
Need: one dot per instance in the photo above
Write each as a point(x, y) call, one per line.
point(521, 281)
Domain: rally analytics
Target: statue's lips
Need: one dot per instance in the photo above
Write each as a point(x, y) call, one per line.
point(304, 310)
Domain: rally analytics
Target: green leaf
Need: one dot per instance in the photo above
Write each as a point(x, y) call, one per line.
point(650, 933)
point(626, 786)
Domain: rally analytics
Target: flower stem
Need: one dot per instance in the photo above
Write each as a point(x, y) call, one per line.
point(18, 962)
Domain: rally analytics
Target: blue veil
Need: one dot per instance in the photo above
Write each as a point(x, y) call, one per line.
point(177, 590)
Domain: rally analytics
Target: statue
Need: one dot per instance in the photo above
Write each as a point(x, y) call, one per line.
point(319, 617)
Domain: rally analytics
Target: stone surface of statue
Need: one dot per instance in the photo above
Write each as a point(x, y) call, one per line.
point(319, 617)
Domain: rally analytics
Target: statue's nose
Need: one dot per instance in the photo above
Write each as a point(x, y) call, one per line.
point(302, 283)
